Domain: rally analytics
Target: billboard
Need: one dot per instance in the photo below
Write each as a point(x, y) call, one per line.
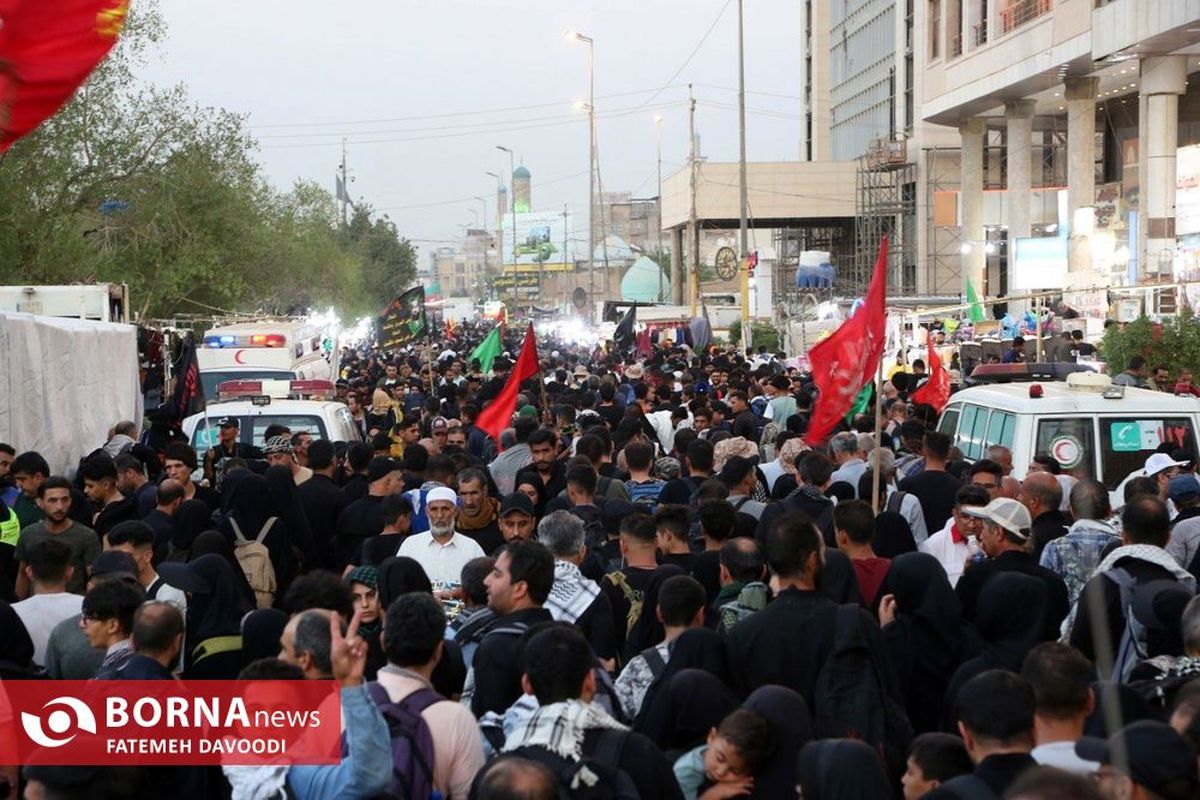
point(543, 242)
point(1187, 190)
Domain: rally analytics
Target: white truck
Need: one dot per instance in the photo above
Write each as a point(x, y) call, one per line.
point(103, 302)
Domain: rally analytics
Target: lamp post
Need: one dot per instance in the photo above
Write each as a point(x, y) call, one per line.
point(742, 201)
point(499, 225)
point(658, 124)
point(591, 109)
point(512, 199)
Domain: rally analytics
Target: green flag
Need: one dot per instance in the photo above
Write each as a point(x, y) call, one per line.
point(862, 401)
point(976, 310)
point(487, 350)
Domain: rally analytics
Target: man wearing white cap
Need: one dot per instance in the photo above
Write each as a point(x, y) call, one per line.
point(1161, 467)
point(1005, 540)
point(441, 551)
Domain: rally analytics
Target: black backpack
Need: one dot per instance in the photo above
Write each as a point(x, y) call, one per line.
point(852, 699)
point(592, 777)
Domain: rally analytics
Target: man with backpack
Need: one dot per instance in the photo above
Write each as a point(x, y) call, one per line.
point(680, 606)
point(1113, 590)
point(574, 598)
point(831, 655)
point(813, 471)
point(592, 754)
point(517, 588)
point(435, 743)
point(626, 587)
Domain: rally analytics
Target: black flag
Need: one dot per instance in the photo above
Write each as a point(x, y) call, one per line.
point(189, 391)
point(404, 321)
point(623, 336)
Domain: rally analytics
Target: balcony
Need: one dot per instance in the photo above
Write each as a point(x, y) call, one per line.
point(1020, 12)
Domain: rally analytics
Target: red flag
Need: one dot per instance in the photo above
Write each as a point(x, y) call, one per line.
point(644, 346)
point(497, 416)
point(935, 391)
point(47, 49)
point(846, 361)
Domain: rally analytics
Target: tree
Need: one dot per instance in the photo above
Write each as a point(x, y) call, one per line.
point(139, 184)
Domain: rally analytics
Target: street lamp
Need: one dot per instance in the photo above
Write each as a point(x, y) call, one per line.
point(499, 222)
point(591, 109)
point(742, 200)
point(512, 199)
point(658, 124)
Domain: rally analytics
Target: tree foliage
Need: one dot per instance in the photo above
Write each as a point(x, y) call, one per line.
point(139, 184)
point(1174, 343)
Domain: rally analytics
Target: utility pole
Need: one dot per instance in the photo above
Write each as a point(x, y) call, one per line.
point(345, 185)
point(565, 255)
point(603, 229)
point(693, 231)
point(658, 124)
point(743, 261)
point(512, 197)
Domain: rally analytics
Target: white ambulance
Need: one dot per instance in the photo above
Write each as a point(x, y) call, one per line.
point(263, 350)
point(1093, 428)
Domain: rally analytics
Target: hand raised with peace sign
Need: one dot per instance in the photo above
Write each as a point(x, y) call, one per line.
point(348, 653)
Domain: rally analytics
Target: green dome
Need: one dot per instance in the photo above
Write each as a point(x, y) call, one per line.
point(521, 172)
point(642, 280)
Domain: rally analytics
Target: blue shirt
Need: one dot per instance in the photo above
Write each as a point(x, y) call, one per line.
point(366, 770)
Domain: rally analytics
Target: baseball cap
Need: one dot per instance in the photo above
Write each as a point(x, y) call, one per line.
point(517, 501)
point(1183, 487)
point(1159, 759)
point(277, 444)
point(1157, 462)
point(380, 468)
point(438, 424)
point(1012, 515)
point(701, 387)
point(227, 422)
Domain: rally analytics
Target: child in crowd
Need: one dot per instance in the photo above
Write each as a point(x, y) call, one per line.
point(724, 766)
point(934, 759)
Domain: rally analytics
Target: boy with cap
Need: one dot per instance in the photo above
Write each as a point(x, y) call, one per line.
point(1005, 540)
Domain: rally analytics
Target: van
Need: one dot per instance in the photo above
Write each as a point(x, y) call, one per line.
point(300, 406)
point(1091, 427)
point(264, 350)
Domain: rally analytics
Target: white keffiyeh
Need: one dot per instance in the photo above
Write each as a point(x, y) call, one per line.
point(571, 594)
point(560, 728)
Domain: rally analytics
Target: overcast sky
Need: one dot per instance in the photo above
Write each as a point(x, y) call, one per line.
point(424, 90)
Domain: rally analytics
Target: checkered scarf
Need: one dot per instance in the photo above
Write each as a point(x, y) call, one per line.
point(560, 728)
point(571, 594)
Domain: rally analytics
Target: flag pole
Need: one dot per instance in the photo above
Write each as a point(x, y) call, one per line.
point(878, 436)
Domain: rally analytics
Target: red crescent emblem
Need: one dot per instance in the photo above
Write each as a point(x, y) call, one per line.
point(237, 356)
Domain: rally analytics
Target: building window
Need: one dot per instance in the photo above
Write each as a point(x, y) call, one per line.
point(935, 28)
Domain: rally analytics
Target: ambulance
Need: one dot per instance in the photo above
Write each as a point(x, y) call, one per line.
point(1093, 428)
point(263, 350)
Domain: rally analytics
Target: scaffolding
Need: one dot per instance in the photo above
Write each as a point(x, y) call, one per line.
point(789, 300)
point(943, 243)
point(885, 205)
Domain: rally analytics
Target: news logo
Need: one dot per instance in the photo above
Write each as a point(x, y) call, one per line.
point(170, 723)
point(59, 722)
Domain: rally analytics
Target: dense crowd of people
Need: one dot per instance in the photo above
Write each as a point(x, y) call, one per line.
point(649, 585)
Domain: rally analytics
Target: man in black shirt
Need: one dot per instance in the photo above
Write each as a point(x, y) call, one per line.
point(745, 422)
point(698, 461)
point(933, 486)
point(995, 711)
point(227, 446)
point(355, 484)
point(363, 518)
point(517, 589)
point(1005, 541)
point(1042, 494)
point(100, 485)
point(788, 642)
point(814, 471)
point(550, 473)
point(673, 526)
point(323, 502)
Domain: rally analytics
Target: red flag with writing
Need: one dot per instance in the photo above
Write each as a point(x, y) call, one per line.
point(935, 391)
point(498, 415)
point(846, 361)
point(47, 49)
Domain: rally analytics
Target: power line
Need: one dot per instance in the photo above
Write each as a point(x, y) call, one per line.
point(478, 112)
point(671, 81)
point(472, 197)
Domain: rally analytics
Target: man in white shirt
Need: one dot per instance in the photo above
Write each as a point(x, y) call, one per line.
point(950, 545)
point(1062, 687)
point(848, 454)
point(137, 539)
point(441, 551)
point(48, 569)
